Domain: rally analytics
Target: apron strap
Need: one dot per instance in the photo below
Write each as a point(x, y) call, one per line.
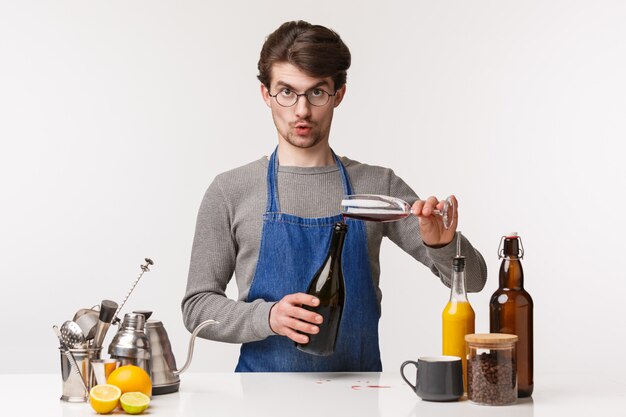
point(273, 205)
point(272, 185)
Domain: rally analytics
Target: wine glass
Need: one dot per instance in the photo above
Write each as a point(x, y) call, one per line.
point(382, 208)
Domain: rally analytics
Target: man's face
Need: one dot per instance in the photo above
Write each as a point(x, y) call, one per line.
point(301, 125)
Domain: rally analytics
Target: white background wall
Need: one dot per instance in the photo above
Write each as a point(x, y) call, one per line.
point(115, 116)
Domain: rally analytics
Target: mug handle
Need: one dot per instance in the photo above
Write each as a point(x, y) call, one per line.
point(404, 377)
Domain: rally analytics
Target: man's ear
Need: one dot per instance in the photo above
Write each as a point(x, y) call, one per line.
point(265, 93)
point(339, 96)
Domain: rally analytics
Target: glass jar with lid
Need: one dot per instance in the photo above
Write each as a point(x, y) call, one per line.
point(491, 368)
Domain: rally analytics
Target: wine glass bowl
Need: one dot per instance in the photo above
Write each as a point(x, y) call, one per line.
point(372, 207)
point(382, 208)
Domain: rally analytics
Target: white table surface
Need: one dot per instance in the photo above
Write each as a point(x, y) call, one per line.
point(312, 394)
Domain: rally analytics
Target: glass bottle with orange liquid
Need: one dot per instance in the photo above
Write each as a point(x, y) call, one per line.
point(458, 316)
point(511, 310)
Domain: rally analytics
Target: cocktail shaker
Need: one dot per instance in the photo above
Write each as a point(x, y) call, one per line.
point(131, 344)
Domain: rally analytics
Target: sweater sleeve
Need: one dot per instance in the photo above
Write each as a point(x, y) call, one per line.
point(212, 265)
point(406, 235)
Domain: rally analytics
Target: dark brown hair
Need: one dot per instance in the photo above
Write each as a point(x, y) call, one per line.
point(315, 50)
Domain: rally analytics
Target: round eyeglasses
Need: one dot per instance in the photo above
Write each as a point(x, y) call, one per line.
point(315, 96)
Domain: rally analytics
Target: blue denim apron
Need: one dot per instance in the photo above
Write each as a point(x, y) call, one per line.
point(292, 250)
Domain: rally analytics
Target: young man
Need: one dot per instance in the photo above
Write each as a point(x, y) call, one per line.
point(269, 223)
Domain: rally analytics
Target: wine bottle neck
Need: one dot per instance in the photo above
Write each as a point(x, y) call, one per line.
point(337, 240)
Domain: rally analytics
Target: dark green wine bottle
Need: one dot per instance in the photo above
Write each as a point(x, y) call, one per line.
point(328, 286)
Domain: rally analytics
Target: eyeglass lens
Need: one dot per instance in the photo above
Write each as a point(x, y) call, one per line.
point(315, 97)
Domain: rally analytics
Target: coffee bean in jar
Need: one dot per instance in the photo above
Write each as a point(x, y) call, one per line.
point(491, 368)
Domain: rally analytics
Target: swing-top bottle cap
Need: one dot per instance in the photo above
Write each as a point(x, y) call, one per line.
point(511, 245)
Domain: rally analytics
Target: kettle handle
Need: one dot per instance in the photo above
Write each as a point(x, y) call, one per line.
point(191, 342)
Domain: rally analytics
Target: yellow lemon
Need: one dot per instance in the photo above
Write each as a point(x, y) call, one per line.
point(134, 402)
point(131, 378)
point(104, 398)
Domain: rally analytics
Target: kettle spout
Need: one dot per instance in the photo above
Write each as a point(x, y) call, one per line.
point(191, 342)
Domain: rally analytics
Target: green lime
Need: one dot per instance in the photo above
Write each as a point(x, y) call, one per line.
point(134, 402)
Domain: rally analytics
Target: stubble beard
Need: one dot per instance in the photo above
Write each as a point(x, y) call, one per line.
point(303, 142)
point(313, 138)
point(287, 131)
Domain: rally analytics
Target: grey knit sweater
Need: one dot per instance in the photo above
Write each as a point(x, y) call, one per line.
point(228, 236)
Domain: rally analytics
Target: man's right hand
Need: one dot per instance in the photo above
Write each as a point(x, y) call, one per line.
point(288, 318)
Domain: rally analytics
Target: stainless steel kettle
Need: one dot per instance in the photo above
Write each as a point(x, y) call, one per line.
point(163, 370)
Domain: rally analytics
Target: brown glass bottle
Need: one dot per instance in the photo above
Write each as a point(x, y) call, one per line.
point(511, 310)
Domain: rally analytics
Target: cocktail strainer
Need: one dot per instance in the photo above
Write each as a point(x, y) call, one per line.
point(73, 335)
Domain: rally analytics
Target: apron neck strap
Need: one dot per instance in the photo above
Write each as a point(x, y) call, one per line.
point(273, 205)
